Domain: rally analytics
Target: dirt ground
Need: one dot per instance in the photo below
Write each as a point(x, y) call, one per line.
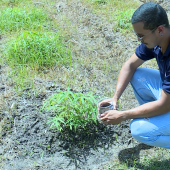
point(26, 140)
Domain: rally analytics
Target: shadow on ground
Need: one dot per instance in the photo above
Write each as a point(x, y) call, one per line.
point(131, 157)
point(97, 140)
point(80, 145)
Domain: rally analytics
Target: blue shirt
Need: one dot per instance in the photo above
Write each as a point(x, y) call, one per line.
point(163, 61)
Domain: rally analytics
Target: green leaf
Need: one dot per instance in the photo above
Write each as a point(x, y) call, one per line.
point(71, 109)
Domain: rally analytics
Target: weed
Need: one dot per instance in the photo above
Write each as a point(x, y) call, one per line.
point(72, 110)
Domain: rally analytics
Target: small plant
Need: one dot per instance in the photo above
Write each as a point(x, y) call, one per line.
point(72, 110)
point(37, 49)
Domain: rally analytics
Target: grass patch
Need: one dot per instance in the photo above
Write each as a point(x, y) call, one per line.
point(124, 20)
point(22, 77)
point(37, 50)
point(17, 19)
point(71, 110)
point(156, 161)
point(28, 28)
point(118, 12)
point(32, 52)
point(12, 2)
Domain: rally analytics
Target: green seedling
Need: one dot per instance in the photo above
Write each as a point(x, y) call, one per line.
point(72, 110)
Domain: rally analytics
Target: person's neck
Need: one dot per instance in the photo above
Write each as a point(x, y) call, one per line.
point(165, 41)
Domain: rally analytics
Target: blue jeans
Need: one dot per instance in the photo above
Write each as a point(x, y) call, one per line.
point(154, 131)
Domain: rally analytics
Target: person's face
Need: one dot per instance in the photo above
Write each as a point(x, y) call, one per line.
point(148, 37)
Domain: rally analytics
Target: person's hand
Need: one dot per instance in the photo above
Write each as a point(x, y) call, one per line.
point(110, 101)
point(112, 117)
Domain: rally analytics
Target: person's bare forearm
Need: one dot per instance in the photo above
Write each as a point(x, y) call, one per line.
point(126, 74)
point(150, 109)
point(124, 78)
point(146, 110)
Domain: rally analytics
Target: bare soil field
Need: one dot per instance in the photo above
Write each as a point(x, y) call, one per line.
point(26, 140)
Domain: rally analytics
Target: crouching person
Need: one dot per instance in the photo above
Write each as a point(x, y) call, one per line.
point(151, 120)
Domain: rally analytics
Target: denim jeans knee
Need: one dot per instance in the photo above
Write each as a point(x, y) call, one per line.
point(144, 131)
point(140, 133)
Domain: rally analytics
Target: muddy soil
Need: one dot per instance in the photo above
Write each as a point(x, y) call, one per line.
point(27, 142)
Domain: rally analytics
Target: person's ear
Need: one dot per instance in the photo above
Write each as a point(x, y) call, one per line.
point(161, 30)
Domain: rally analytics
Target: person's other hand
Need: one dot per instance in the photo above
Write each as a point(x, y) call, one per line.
point(112, 117)
point(110, 101)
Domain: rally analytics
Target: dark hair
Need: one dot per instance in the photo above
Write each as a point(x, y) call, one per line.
point(152, 14)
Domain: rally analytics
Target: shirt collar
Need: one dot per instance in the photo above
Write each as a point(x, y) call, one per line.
point(167, 52)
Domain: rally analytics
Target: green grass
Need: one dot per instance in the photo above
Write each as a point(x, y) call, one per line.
point(118, 12)
point(123, 20)
point(32, 52)
point(17, 19)
point(159, 160)
point(37, 50)
point(12, 2)
point(32, 40)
